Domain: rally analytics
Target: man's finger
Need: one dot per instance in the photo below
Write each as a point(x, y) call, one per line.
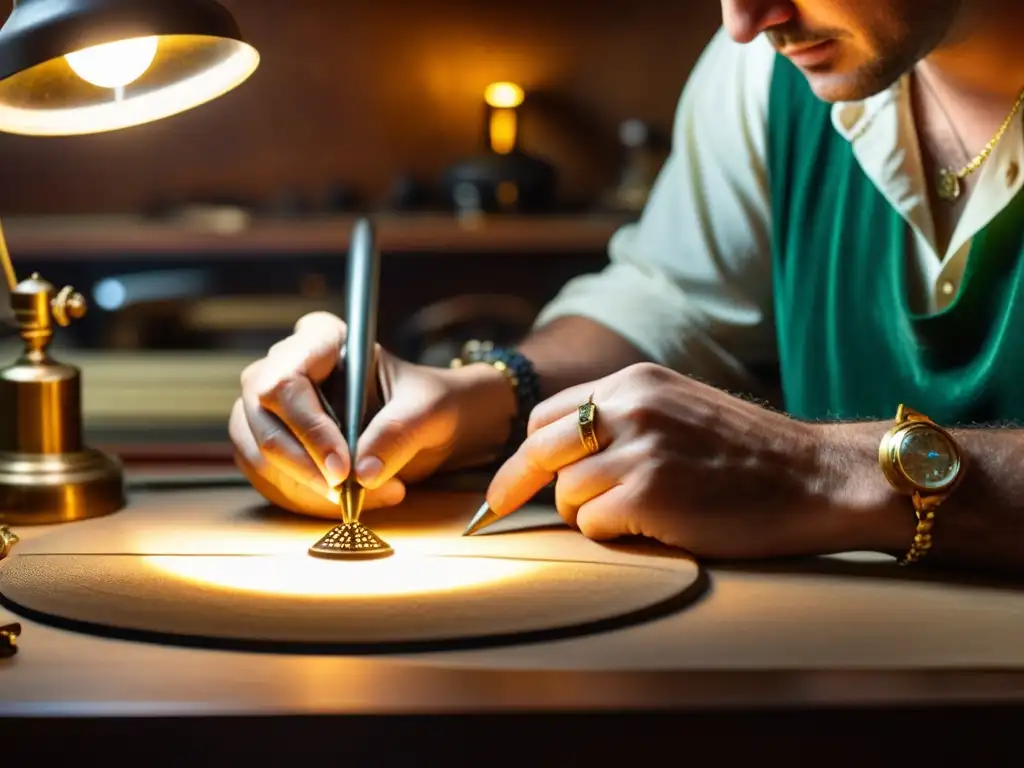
point(555, 407)
point(536, 463)
point(322, 325)
point(246, 443)
point(312, 354)
point(275, 444)
point(290, 396)
point(587, 479)
point(391, 494)
point(393, 438)
point(608, 515)
point(283, 491)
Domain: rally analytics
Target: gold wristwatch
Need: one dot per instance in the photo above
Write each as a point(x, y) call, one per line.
point(921, 459)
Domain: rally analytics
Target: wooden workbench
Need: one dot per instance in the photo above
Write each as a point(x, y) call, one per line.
point(829, 653)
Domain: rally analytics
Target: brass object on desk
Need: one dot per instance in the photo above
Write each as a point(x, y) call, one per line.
point(47, 474)
point(9, 640)
point(8, 539)
point(351, 540)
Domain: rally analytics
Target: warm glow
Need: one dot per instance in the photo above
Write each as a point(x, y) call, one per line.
point(134, 108)
point(114, 65)
point(301, 575)
point(503, 98)
point(503, 95)
point(503, 130)
point(287, 541)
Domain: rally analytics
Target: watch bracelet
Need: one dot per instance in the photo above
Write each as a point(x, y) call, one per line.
point(521, 376)
point(922, 542)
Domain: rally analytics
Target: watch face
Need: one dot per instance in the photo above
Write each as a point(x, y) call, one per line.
point(928, 458)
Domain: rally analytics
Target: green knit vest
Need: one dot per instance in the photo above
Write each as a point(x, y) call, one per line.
point(849, 345)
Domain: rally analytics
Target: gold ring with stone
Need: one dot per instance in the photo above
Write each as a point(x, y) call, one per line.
point(587, 426)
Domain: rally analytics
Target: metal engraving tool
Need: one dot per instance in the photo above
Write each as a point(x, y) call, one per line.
point(352, 539)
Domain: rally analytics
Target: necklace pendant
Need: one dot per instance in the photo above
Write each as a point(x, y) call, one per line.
point(948, 185)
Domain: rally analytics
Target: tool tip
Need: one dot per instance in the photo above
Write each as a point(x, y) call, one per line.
point(352, 497)
point(484, 517)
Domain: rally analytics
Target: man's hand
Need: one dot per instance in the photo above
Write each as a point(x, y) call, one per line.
point(292, 452)
point(683, 463)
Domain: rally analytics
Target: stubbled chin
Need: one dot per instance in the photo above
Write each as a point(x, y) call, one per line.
point(834, 87)
point(826, 88)
point(850, 78)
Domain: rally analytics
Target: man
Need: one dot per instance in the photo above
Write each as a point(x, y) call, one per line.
point(843, 202)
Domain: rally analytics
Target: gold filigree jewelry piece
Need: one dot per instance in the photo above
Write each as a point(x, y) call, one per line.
point(351, 541)
point(948, 185)
point(9, 640)
point(7, 540)
point(587, 425)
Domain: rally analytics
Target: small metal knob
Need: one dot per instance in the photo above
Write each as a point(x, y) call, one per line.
point(8, 539)
point(68, 305)
point(9, 640)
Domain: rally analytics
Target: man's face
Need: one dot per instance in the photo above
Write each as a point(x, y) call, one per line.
point(847, 49)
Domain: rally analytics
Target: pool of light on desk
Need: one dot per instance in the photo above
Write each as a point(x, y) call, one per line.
point(411, 570)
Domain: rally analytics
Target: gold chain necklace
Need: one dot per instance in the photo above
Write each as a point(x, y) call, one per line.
point(948, 185)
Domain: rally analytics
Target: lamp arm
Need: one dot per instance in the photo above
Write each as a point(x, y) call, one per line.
point(5, 261)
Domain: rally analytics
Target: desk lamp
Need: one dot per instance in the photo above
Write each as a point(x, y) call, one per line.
point(71, 67)
point(504, 178)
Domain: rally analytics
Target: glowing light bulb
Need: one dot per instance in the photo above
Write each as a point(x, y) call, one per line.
point(503, 123)
point(503, 95)
point(114, 65)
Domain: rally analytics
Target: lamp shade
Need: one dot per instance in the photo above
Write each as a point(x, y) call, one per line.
point(71, 67)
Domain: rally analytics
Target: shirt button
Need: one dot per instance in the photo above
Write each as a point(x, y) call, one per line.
point(1012, 171)
point(947, 288)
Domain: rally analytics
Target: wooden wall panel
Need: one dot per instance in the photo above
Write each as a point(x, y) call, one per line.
point(356, 92)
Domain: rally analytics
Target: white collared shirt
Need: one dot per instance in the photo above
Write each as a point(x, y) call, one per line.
point(689, 283)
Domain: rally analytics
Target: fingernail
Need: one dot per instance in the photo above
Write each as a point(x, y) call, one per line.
point(368, 469)
point(335, 469)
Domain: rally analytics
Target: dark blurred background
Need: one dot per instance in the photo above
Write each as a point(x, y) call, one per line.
point(199, 240)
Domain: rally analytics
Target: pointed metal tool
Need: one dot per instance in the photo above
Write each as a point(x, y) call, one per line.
point(362, 291)
point(484, 518)
point(352, 538)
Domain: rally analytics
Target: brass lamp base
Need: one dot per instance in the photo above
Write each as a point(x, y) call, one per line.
point(40, 489)
point(47, 473)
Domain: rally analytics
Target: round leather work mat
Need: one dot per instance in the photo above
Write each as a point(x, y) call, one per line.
point(289, 600)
